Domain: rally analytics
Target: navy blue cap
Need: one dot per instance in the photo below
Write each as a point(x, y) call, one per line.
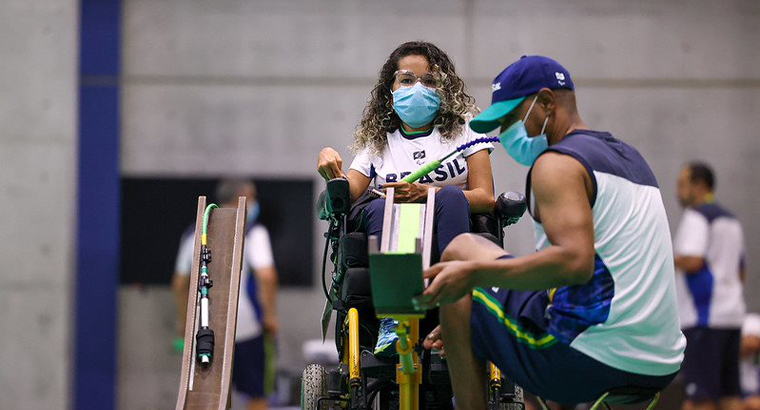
point(524, 77)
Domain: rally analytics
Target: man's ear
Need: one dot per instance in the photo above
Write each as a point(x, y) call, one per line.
point(547, 100)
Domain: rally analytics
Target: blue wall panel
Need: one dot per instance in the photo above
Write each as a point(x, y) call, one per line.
point(98, 206)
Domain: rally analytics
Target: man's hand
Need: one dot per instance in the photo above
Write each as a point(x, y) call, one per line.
point(330, 164)
point(750, 345)
point(271, 324)
point(405, 192)
point(452, 281)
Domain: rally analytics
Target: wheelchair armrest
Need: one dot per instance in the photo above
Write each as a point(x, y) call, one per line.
point(484, 223)
point(510, 206)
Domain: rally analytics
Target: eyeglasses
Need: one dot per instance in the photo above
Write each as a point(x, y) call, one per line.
point(406, 78)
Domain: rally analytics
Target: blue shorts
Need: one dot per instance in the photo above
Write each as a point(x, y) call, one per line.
point(711, 363)
point(251, 367)
point(509, 329)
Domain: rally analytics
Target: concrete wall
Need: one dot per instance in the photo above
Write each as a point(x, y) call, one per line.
point(38, 45)
point(258, 87)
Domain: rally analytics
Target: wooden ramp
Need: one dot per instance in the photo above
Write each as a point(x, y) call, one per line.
point(210, 388)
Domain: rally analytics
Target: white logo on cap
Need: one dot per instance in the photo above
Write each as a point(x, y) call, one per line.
point(495, 87)
point(560, 78)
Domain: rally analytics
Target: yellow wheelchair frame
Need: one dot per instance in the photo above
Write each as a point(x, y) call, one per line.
point(408, 370)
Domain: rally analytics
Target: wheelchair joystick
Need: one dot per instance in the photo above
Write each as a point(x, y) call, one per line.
point(510, 206)
point(338, 196)
point(335, 200)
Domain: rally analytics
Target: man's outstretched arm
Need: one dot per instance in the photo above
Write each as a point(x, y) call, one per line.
point(562, 187)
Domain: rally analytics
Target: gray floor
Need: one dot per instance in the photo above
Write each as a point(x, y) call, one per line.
point(149, 368)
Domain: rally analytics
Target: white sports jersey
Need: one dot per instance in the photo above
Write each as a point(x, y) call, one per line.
point(405, 154)
point(257, 254)
point(625, 316)
point(713, 296)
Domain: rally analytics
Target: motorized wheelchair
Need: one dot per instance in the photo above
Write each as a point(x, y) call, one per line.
point(362, 380)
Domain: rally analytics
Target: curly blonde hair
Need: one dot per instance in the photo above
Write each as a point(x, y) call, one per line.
point(379, 118)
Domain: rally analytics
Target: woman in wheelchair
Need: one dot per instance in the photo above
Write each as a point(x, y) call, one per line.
point(418, 111)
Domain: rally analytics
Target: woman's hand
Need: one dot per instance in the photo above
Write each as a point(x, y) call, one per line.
point(406, 192)
point(434, 340)
point(330, 164)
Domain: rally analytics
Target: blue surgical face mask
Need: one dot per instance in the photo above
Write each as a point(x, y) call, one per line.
point(253, 212)
point(417, 105)
point(519, 145)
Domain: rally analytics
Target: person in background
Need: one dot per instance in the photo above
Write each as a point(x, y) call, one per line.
point(709, 254)
point(257, 323)
point(750, 365)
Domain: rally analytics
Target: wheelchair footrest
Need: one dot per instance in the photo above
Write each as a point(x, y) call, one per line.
point(378, 368)
point(337, 382)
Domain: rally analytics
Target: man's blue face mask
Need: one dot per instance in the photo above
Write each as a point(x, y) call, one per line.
point(417, 105)
point(522, 148)
point(253, 212)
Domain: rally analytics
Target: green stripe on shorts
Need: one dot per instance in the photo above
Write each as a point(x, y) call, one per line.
point(523, 336)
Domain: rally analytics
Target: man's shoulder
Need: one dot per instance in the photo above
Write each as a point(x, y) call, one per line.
point(585, 137)
point(599, 151)
point(587, 146)
point(257, 232)
point(188, 235)
point(257, 228)
point(712, 211)
point(554, 162)
point(554, 171)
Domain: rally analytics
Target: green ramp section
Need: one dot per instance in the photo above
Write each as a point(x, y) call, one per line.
point(397, 276)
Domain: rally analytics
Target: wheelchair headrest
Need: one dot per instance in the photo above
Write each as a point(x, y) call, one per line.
point(335, 199)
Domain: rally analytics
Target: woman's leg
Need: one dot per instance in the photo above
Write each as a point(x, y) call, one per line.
point(386, 334)
point(374, 212)
point(452, 215)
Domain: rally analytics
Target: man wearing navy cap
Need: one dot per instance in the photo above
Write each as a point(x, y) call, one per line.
point(594, 308)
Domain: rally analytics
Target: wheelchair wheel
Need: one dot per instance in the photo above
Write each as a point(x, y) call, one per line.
point(502, 400)
point(515, 401)
point(313, 387)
